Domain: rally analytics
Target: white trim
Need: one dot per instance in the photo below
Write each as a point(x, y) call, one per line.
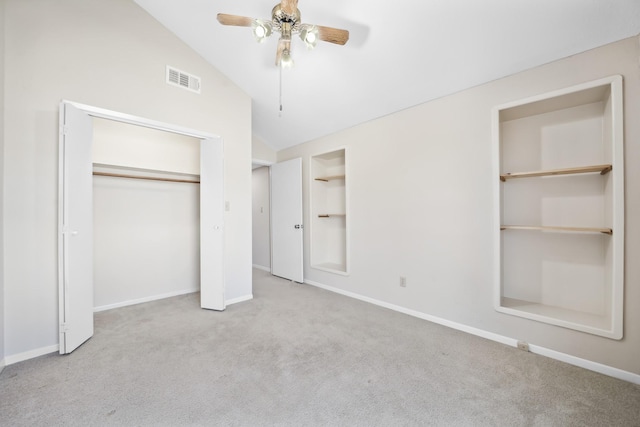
point(604, 81)
point(31, 354)
point(61, 191)
point(139, 121)
point(239, 299)
point(143, 300)
point(2, 365)
point(262, 267)
point(261, 162)
point(563, 357)
point(586, 364)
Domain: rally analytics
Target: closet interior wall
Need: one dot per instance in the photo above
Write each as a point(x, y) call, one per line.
point(146, 231)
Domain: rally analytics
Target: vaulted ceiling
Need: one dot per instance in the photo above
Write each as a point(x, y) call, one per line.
point(400, 53)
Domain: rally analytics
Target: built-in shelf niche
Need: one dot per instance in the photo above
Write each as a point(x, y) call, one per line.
point(559, 209)
point(328, 234)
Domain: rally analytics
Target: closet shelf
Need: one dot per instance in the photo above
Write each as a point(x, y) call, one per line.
point(602, 169)
point(331, 215)
point(329, 178)
point(608, 231)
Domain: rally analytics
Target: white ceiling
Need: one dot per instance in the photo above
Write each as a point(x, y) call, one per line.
point(400, 53)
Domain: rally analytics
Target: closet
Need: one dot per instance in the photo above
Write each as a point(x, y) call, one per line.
point(146, 214)
point(77, 164)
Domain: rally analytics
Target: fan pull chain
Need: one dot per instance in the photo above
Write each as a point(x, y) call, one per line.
point(280, 113)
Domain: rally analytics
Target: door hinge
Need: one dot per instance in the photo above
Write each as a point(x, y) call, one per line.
point(63, 327)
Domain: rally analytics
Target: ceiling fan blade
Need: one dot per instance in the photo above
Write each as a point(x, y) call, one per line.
point(333, 35)
point(238, 21)
point(283, 44)
point(289, 6)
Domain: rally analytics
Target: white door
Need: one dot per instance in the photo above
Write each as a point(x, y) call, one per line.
point(286, 220)
point(211, 225)
point(75, 235)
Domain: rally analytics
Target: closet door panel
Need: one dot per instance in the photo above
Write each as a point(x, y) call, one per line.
point(76, 229)
point(211, 225)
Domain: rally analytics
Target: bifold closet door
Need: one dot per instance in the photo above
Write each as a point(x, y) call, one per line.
point(75, 237)
point(212, 225)
point(75, 220)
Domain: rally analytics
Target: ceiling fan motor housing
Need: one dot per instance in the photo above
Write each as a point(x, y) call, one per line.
point(282, 20)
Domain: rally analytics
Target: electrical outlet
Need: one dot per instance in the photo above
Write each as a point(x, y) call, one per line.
point(403, 282)
point(523, 346)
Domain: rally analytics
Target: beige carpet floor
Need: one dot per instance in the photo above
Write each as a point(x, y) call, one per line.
point(300, 356)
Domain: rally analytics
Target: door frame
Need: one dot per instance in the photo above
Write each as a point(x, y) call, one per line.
point(263, 164)
point(102, 113)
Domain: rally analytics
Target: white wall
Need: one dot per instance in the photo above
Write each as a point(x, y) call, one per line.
point(2, 300)
point(110, 55)
point(146, 240)
point(421, 202)
point(121, 144)
point(261, 218)
point(261, 152)
point(146, 233)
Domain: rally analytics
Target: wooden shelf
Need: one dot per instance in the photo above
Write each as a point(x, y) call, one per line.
point(602, 169)
point(329, 178)
point(552, 228)
point(331, 215)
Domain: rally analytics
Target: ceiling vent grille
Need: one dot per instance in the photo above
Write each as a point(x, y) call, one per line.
point(184, 80)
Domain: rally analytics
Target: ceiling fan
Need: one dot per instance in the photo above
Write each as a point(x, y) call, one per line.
point(285, 19)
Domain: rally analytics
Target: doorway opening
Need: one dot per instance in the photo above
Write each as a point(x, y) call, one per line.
point(261, 215)
point(146, 220)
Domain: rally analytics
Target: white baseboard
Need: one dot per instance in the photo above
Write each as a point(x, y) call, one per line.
point(262, 267)
point(567, 358)
point(20, 357)
point(586, 364)
point(240, 299)
point(143, 300)
point(2, 365)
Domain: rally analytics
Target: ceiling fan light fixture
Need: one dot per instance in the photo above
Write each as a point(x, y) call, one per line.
point(286, 61)
point(286, 20)
point(309, 35)
point(261, 29)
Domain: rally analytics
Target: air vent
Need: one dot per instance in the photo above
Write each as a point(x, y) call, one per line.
point(184, 80)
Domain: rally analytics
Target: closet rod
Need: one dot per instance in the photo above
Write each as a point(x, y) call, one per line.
point(151, 178)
